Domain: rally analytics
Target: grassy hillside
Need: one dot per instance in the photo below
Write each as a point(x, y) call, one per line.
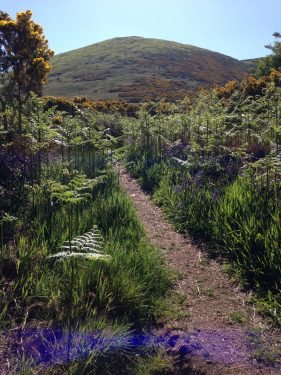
point(137, 69)
point(251, 63)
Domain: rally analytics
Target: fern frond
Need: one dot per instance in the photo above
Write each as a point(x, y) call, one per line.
point(89, 256)
point(87, 246)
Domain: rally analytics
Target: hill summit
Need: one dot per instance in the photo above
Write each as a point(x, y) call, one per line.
point(137, 69)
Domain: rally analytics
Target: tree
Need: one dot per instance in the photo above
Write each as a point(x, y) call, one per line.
point(273, 61)
point(24, 58)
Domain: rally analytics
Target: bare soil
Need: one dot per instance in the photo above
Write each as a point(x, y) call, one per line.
point(218, 322)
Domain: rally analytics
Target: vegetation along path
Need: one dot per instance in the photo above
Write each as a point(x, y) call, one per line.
point(219, 328)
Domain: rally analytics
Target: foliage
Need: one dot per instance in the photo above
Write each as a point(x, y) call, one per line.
point(56, 184)
point(84, 247)
point(24, 52)
point(71, 106)
point(251, 86)
point(24, 55)
point(87, 246)
point(272, 61)
point(215, 169)
point(212, 161)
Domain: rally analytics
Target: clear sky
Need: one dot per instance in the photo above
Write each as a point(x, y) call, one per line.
point(238, 28)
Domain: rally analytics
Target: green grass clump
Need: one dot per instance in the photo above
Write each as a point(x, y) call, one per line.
point(237, 317)
point(129, 286)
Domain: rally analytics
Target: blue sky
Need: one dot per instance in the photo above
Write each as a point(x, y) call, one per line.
point(238, 28)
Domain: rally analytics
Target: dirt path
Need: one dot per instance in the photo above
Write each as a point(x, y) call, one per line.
point(218, 323)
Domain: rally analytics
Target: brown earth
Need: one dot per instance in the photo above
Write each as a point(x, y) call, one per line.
point(218, 322)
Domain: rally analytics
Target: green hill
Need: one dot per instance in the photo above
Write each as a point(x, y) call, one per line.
point(252, 63)
point(137, 69)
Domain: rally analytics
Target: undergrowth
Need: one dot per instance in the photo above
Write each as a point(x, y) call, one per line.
point(70, 187)
point(215, 170)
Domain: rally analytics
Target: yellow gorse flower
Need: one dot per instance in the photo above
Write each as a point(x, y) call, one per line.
point(38, 60)
point(24, 16)
point(24, 39)
point(7, 23)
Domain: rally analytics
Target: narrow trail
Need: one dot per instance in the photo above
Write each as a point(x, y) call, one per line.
point(221, 324)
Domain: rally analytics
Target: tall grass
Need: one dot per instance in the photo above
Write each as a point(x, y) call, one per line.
point(125, 292)
point(69, 187)
point(215, 169)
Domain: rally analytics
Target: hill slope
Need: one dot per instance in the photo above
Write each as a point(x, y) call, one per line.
point(137, 69)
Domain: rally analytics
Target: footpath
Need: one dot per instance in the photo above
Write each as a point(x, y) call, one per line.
point(219, 331)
